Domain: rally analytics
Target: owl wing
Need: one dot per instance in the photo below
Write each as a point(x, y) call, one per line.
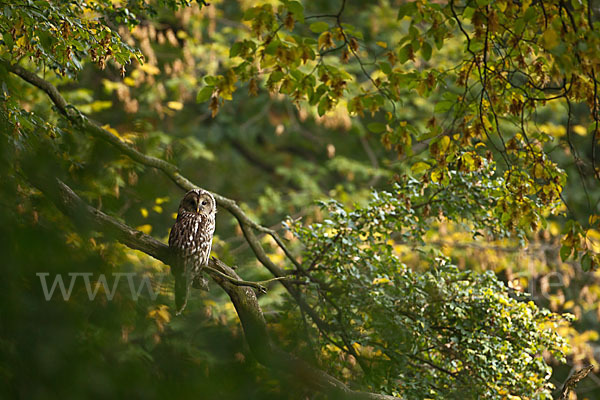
point(203, 239)
point(204, 236)
point(182, 244)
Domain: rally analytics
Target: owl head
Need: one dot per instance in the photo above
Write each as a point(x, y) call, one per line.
point(198, 201)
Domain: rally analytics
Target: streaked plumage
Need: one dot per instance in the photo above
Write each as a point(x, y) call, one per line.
point(191, 239)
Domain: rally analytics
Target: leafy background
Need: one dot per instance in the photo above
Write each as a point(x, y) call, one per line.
point(280, 109)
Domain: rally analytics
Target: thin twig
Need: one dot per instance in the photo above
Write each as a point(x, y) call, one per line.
point(240, 282)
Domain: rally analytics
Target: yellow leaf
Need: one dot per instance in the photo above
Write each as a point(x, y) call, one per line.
point(150, 69)
point(129, 81)
point(160, 315)
point(22, 41)
point(378, 281)
point(486, 122)
point(146, 228)
point(568, 304)
point(593, 240)
point(550, 38)
point(554, 229)
point(443, 143)
point(175, 105)
point(74, 239)
point(594, 234)
point(554, 130)
point(96, 106)
point(538, 171)
point(468, 159)
point(592, 336)
point(116, 133)
point(111, 130)
point(580, 130)
point(160, 200)
point(382, 44)
point(174, 215)
point(157, 209)
point(419, 167)
point(277, 258)
point(144, 212)
point(325, 40)
point(226, 95)
point(164, 314)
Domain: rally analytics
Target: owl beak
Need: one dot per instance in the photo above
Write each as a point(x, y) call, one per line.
point(198, 208)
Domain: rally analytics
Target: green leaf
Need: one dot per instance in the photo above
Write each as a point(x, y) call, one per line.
point(405, 53)
point(204, 94)
point(8, 41)
point(319, 27)
point(586, 262)
point(236, 49)
point(385, 67)
point(565, 252)
point(443, 106)
point(272, 47)
point(296, 9)
point(251, 13)
point(419, 167)
point(376, 127)
point(406, 9)
point(426, 51)
point(276, 76)
point(322, 108)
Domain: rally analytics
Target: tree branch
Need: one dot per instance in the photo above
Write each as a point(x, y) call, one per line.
point(248, 225)
point(170, 170)
point(242, 297)
point(573, 381)
point(239, 282)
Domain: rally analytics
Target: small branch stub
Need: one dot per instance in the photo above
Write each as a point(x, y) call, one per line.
point(573, 381)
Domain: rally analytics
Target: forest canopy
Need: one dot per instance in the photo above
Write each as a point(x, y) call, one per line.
point(407, 191)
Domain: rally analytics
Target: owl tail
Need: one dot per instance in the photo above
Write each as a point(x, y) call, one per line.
point(182, 290)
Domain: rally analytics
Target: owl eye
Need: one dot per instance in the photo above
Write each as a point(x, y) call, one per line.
point(204, 202)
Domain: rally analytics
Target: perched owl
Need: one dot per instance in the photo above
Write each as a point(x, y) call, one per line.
point(191, 239)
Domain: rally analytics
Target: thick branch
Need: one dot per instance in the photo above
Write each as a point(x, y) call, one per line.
point(242, 297)
point(170, 170)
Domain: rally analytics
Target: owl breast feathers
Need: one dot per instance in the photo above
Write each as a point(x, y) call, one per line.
point(191, 240)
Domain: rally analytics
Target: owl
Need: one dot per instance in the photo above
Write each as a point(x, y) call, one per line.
point(191, 240)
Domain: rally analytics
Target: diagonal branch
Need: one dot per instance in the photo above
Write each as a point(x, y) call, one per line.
point(170, 170)
point(248, 225)
point(243, 298)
